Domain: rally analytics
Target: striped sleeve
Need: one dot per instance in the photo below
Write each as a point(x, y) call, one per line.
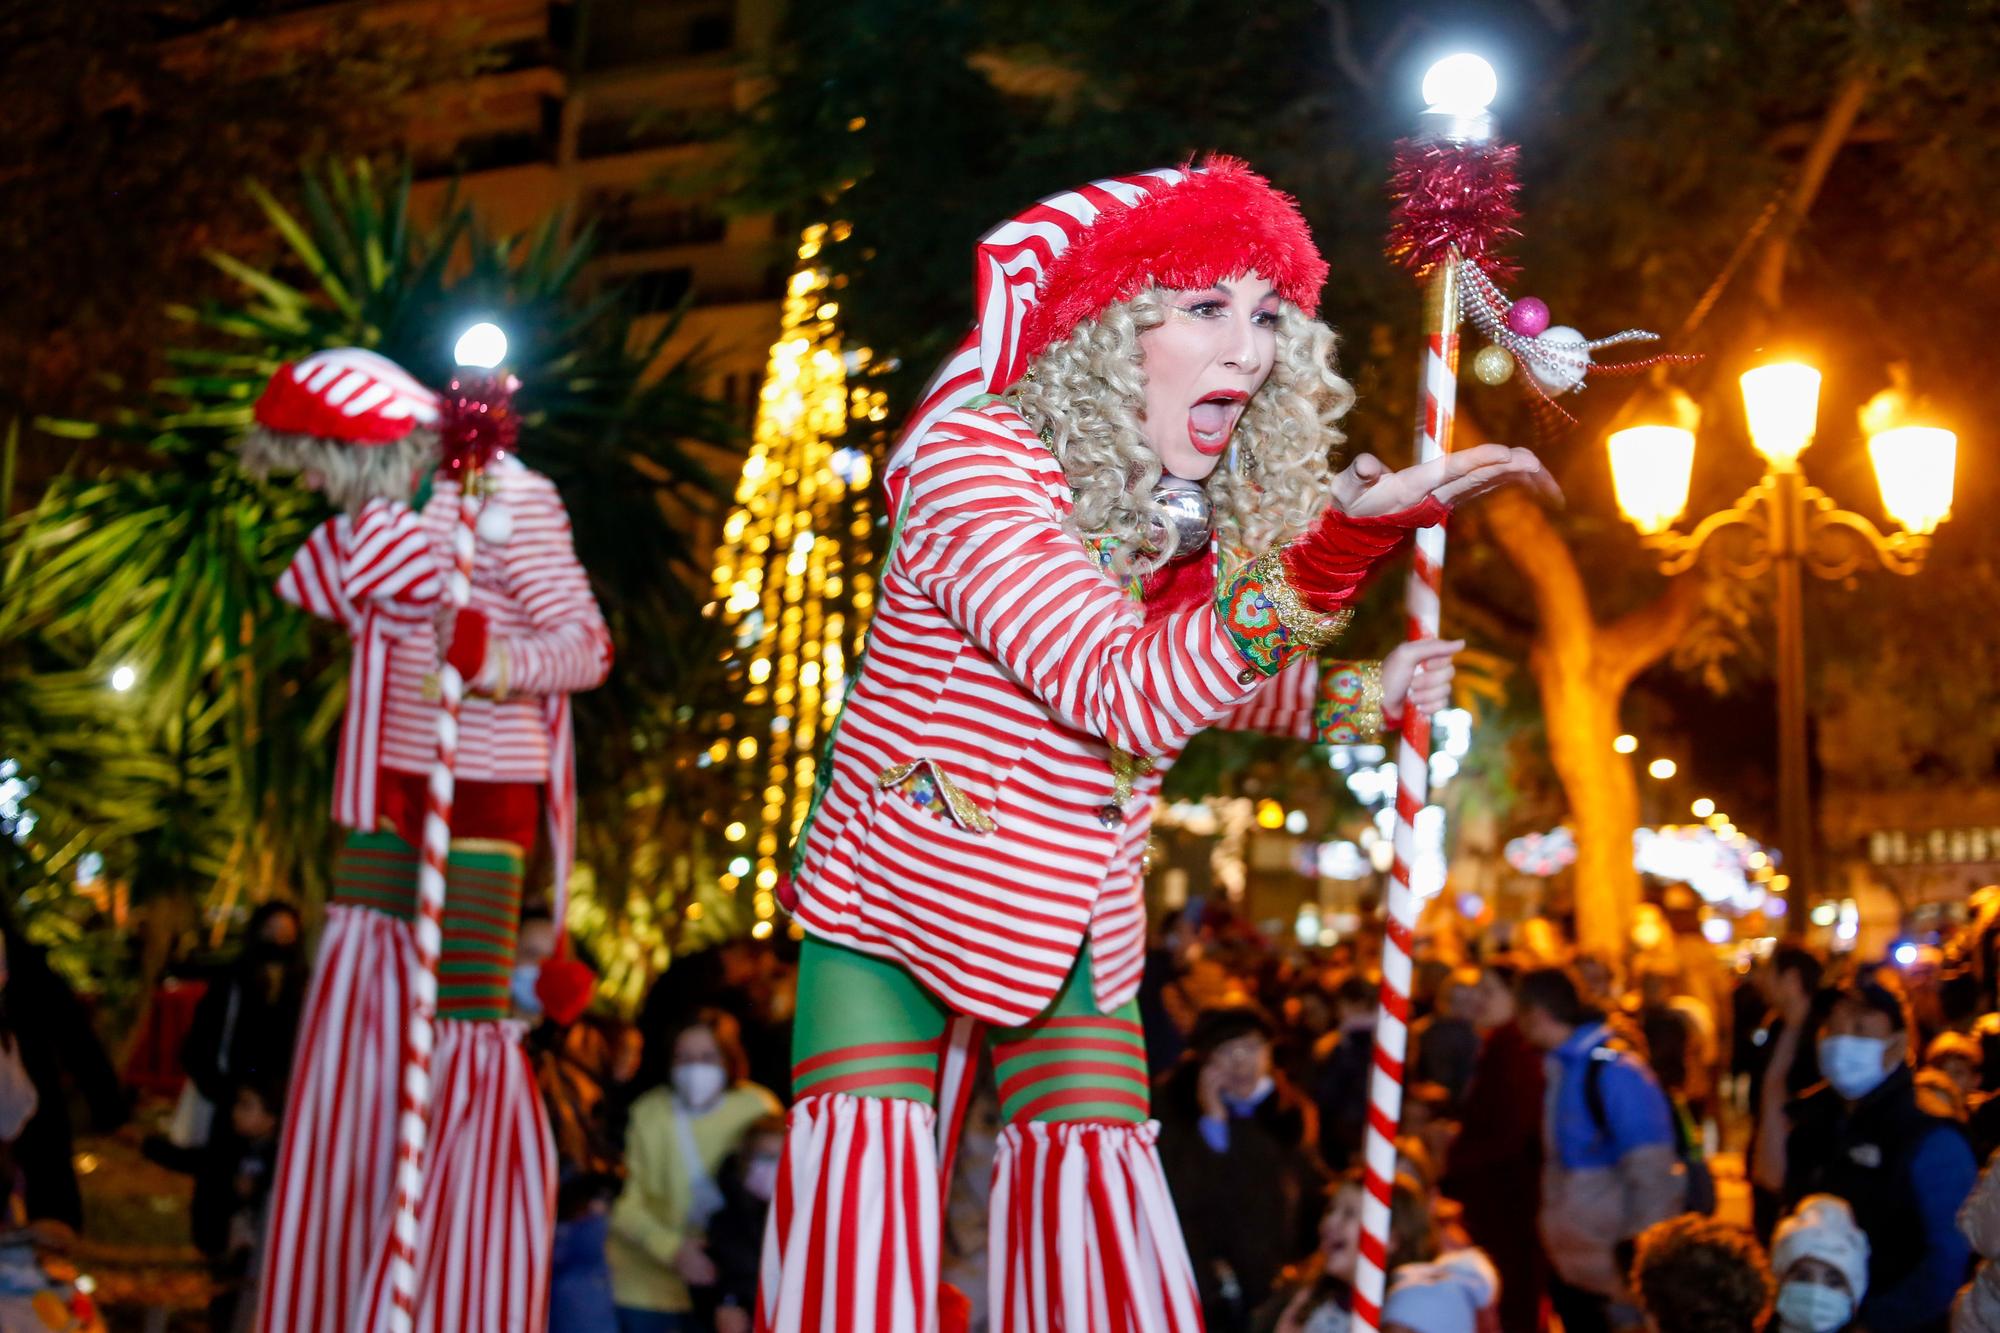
point(567, 648)
point(983, 540)
point(1282, 706)
point(390, 560)
point(313, 582)
point(1334, 702)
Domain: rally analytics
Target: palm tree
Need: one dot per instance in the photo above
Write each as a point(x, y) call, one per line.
point(155, 554)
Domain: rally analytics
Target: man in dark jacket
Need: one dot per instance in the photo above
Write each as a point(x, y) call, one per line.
point(1235, 1143)
point(1784, 1062)
point(1862, 1137)
point(1495, 1165)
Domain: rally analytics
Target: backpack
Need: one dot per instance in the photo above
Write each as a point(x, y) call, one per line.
point(1687, 1144)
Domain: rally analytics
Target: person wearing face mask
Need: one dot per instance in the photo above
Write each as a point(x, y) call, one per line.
point(1233, 1143)
point(1820, 1258)
point(1862, 1137)
point(676, 1142)
point(736, 1233)
point(242, 1035)
point(1119, 521)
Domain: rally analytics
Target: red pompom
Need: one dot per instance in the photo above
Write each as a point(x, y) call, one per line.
point(469, 636)
point(1453, 196)
point(1222, 221)
point(564, 987)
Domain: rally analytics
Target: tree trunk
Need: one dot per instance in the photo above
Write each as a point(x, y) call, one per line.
point(1582, 669)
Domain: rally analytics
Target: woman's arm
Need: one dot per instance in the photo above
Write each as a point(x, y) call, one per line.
point(567, 648)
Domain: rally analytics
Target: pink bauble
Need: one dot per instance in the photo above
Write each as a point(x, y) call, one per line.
point(1528, 317)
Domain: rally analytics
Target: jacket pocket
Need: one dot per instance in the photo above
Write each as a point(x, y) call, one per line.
point(924, 784)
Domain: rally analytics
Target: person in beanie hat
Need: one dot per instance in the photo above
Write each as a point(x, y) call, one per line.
point(1820, 1258)
point(376, 442)
point(1118, 523)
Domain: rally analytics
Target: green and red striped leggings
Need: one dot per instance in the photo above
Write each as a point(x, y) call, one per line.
point(867, 1028)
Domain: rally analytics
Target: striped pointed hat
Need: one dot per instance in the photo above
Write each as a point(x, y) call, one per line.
point(346, 394)
point(1062, 261)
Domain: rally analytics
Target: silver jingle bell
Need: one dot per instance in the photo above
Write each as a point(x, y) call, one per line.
point(1190, 518)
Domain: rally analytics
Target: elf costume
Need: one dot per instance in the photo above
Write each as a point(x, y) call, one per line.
point(531, 636)
point(973, 866)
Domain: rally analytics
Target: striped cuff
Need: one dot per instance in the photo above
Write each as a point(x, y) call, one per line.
point(1266, 620)
point(1349, 708)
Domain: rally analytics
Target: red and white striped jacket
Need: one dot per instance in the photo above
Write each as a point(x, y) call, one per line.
point(993, 777)
point(380, 573)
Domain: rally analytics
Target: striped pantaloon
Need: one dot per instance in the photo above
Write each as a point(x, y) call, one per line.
point(486, 1222)
point(1082, 1235)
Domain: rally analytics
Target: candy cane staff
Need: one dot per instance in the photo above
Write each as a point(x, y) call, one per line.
point(1118, 523)
point(387, 450)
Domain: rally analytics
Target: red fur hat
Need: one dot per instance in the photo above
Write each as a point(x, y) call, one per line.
point(1065, 258)
point(1221, 220)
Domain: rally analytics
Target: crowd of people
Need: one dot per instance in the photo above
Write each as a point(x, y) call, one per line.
point(1563, 1118)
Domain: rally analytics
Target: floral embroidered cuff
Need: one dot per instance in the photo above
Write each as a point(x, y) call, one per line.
point(1348, 710)
point(1266, 620)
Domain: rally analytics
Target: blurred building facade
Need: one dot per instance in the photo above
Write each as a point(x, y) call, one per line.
point(613, 114)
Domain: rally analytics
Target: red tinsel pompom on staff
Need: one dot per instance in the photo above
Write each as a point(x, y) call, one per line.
point(1450, 195)
point(477, 421)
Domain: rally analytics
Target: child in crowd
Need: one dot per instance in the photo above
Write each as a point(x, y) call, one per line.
point(1820, 1258)
point(736, 1233)
point(1697, 1275)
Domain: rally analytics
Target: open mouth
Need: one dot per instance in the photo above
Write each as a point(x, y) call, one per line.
point(1213, 417)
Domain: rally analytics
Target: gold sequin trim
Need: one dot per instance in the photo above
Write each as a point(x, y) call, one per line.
point(963, 809)
point(1310, 628)
point(1126, 769)
point(1370, 721)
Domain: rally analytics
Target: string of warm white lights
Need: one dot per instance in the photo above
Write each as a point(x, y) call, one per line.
point(793, 576)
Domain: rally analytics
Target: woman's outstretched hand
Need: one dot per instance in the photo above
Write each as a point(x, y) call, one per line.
point(1367, 488)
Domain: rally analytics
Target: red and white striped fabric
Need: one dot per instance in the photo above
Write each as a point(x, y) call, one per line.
point(374, 574)
point(348, 394)
point(490, 1203)
point(1085, 1236)
point(486, 1222)
point(1002, 659)
point(1009, 266)
point(331, 1192)
point(854, 1232)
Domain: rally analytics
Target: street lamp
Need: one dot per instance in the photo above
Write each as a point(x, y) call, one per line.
point(1790, 526)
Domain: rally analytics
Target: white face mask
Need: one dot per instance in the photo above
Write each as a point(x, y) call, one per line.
point(699, 1084)
point(1854, 1065)
point(1812, 1308)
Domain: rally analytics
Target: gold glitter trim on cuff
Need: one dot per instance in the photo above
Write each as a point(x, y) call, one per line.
point(1311, 629)
point(962, 807)
point(1127, 769)
point(1369, 715)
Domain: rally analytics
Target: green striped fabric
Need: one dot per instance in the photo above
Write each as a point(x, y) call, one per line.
point(482, 921)
point(379, 871)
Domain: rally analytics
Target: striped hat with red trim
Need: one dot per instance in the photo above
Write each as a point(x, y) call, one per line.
point(347, 394)
point(1062, 261)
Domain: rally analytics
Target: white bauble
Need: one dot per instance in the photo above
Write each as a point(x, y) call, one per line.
point(1565, 356)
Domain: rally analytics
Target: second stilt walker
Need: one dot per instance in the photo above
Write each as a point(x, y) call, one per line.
point(1119, 522)
point(384, 448)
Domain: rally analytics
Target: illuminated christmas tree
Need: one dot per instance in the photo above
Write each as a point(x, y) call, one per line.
point(794, 576)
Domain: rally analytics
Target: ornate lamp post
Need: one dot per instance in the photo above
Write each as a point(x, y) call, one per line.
point(1787, 526)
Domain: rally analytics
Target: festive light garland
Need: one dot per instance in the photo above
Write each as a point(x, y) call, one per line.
point(793, 576)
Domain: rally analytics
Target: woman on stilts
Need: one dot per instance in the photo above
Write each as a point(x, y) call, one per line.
point(1118, 523)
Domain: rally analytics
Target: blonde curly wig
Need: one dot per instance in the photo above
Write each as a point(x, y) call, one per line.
point(350, 475)
point(1086, 396)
